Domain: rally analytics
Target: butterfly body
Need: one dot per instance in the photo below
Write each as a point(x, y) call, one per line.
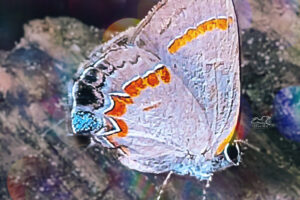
point(166, 93)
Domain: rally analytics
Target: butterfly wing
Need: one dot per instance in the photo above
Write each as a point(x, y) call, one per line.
point(151, 111)
point(198, 39)
point(159, 102)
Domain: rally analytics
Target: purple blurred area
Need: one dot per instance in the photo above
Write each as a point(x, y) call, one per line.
point(99, 13)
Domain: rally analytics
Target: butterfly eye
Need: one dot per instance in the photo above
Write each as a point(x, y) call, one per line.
point(232, 154)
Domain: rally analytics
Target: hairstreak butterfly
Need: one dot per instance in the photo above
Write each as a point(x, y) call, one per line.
point(166, 93)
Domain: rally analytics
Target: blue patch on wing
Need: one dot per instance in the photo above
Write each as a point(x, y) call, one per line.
point(201, 168)
point(84, 122)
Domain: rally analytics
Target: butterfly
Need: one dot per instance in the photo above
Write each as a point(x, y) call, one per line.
point(166, 93)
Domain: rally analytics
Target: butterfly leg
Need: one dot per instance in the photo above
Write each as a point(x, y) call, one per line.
point(164, 185)
point(207, 185)
point(246, 143)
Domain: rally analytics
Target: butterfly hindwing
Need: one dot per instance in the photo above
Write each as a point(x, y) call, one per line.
point(156, 118)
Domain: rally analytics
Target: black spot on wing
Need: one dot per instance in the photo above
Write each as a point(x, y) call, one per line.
point(91, 76)
point(95, 78)
point(102, 67)
point(85, 94)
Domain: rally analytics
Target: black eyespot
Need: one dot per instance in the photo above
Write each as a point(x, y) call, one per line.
point(232, 153)
point(91, 76)
point(85, 94)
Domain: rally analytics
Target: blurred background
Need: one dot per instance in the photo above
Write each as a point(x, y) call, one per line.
point(42, 43)
point(100, 13)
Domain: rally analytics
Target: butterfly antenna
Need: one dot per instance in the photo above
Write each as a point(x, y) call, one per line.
point(248, 145)
point(164, 185)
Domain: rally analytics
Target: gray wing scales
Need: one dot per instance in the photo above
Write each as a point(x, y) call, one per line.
point(208, 64)
point(149, 154)
point(158, 122)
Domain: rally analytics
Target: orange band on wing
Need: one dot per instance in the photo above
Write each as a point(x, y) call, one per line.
point(152, 80)
point(192, 34)
point(122, 133)
point(123, 126)
point(140, 84)
point(119, 107)
point(164, 74)
point(133, 89)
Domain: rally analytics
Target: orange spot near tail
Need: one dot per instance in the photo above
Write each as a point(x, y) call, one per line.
point(122, 133)
point(228, 139)
point(123, 126)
